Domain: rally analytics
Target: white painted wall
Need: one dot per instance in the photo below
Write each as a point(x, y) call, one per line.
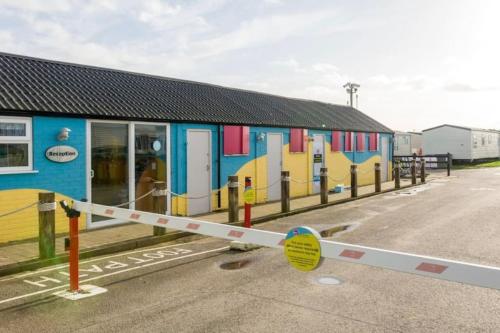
point(484, 144)
point(442, 140)
point(402, 144)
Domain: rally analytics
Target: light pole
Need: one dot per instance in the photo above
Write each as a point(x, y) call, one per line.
point(352, 88)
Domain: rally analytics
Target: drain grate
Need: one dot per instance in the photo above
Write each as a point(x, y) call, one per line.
point(232, 265)
point(328, 280)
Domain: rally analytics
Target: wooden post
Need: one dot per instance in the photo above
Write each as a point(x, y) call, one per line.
point(46, 225)
point(159, 201)
point(422, 170)
point(233, 197)
point(249, 192)
point(285, 191)
point(449, 164)
point(397, 175)
point(324, 185)
point(354, 181)
point(414, 171)
point(378, 185)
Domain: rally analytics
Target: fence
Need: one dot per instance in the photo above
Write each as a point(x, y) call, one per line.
point(432, 162)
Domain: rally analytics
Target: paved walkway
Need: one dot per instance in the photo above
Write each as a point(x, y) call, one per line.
point(90, 239)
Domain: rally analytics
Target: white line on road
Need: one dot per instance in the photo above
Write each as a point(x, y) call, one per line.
point(52, 268)
point(113, 273)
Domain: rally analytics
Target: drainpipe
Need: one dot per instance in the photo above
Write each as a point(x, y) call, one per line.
point(219, 172)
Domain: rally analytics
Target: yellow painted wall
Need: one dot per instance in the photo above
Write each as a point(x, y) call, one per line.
point(24, 225)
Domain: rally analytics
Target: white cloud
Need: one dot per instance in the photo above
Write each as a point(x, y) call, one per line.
point(157, 13)
point(46, 6)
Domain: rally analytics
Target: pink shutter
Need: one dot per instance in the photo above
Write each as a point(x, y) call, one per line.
point(245, 140)
point(296, 140)
point(373, 141)
point(336, 144)
point(348, 141)
point(236, 140)
point(360, 142)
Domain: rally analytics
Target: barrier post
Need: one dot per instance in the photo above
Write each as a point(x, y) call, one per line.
point(232, 192)
point(249, 197)
point(46, 225)
point(285, 191)
point(159, 201)
point(414, 171)
point(378, 185)
point(354, 181)
point(323, 176)
point(422, 170)
point(448, 167)
point(397, 175)
point(73, 216)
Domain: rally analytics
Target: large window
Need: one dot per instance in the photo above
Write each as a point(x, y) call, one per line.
point(15, 144)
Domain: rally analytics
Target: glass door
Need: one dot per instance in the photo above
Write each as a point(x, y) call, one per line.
point(109, 159)
point(150, 161)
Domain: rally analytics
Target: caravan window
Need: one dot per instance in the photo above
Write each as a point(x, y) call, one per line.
point(15, 144)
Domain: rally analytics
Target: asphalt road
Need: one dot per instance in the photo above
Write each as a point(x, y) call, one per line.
point(181, 287)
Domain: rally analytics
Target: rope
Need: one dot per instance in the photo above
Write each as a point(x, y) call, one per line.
point(186, 197)
point(338, 180)
point(19, 209)
point(137, 199)
point(302, 181)
point(265, 187)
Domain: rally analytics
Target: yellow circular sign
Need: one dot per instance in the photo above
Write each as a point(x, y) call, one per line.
point(303, 249)
point(249, 196)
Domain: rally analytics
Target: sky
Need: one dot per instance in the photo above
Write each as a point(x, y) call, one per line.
point(419, 63)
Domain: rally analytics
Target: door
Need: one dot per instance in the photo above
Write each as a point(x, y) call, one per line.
point(150, 165)
point(384, 163)
point(318, 160)
point(109, 162)
point(274, 164)
point(198, 171)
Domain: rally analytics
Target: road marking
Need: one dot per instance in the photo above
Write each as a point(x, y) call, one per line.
point(52, 268)
point(111, 274)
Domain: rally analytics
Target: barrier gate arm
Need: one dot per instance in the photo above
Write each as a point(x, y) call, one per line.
point(451, 270)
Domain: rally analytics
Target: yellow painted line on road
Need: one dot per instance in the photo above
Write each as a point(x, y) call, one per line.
point(111, 274)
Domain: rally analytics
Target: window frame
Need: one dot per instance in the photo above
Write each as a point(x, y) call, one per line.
point(26, 139)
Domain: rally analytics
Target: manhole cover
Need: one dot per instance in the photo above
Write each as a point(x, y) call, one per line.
point(234, 264)
point(328, 280)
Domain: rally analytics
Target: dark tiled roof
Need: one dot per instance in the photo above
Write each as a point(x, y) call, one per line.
point(50, 87)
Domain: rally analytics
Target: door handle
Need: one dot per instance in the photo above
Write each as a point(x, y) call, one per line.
point(91, 173)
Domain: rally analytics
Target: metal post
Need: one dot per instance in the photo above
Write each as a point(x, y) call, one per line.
point(159, 202)
point(73, 254)
point(397, 175)
point(354, 181)
point(285, 191)
point(249, 198)
point(324, 185)
point(449, 164)
point(422, 170)
point(46, 225)
point(232, 192)
point(414, 171)
point(378, 185)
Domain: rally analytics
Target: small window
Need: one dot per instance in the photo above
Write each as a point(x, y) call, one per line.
point(475, 141)
point(374, 138)
point(483, 140)
point(15, 144)
point(236, 140)
point(360, 142)
point(348, 138)
point(336, 141)
point(298, 140)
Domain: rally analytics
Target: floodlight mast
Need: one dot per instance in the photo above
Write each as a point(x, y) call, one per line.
point(351, 88)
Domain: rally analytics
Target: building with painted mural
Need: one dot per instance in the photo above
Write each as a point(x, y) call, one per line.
point(106, 135)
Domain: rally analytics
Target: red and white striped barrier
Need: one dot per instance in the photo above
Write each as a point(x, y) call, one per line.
point(457, 271)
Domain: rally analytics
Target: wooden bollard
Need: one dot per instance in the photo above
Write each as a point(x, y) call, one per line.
point(397, 175)
point(323, 176)
point(378, 185)
point(233, 197)
point(159, 205)
point(422, 170)
point(354, 181)
point(285, 191)
point(46, 225)
point(448, 167)
point(414, 172)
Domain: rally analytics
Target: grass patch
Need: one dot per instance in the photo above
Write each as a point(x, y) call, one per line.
point(492, 164)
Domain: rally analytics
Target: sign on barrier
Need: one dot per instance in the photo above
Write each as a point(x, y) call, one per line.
point(451, 270)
